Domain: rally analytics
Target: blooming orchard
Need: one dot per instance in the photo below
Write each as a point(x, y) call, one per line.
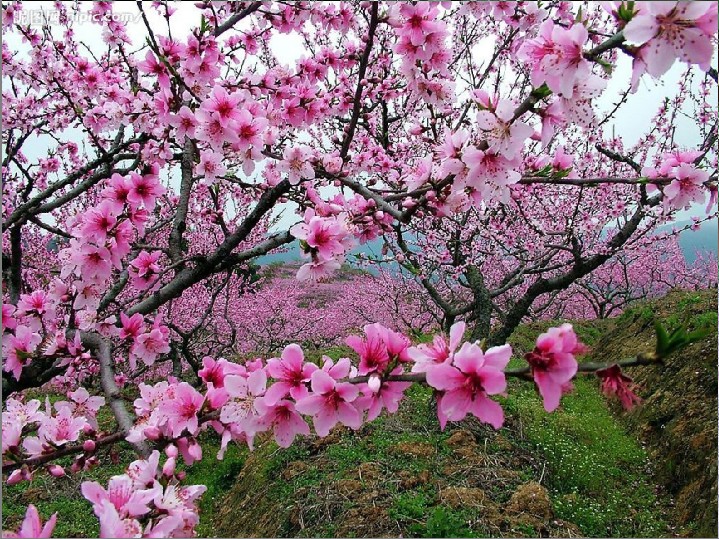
point(142, 177)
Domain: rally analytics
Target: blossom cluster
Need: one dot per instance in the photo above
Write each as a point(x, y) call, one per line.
point(146, 501)
point(324, 239)
point(241, 401)
point(56, 426)
point(687, 180)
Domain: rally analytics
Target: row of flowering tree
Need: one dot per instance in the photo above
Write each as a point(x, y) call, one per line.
point(142, 176)
point(482, 291)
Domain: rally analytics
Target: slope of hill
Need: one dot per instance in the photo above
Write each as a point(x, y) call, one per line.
point(678, 419)
point(576, 472)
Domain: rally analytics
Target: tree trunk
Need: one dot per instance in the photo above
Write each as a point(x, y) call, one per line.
point(482, 304)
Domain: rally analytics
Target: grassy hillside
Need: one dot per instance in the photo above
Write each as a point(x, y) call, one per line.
point(678, 420)
point(586, 470)
point(576, 472)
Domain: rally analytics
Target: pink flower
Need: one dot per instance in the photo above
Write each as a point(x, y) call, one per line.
point(296, 164)
point(152, 66)
point(112, 525)
point(144, 269)
point(387, 396)
point(372, 350)
point(249, 130)
point(122, 493)
point(132, 326)
point(32, 525)
point(282, 417)
point(179, 501)
point(330, 403)
point(144, 190)
point(190, 450)
point(116, 192)
point(503, 136)
point(94, 263)
point(323, 235)
point(36, 303)
point(211, 165)
point(616, 383)
point(396, 343)
point(143, 472)
point(419, 22)
point(467, 382)
point(83, 405)
point(152, 396)
point(221, 105)
point(215, 371)
point(440, 351)
point(670, 30)
point(99, 221)
point(214, 132)
point(556, 56)
point(23, 412)
point(185, 123)
point(291, 374)
point(61, 428)
point(8, 319)
point(242, 392)
point(317, 269)
point(553, 364)
point(216, 396)
point(18, 349)
point(687, 188)
point(149, 345)
point(181, 411)
point(11, 433)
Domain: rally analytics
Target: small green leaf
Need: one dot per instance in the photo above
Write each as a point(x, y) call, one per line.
point(662, 339)
point(542, 91)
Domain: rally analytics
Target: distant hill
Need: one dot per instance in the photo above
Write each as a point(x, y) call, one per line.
point(704, 239)
point(691, 241)
point(292, 254)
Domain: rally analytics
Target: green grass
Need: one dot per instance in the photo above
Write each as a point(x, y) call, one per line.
point(218, 476)
point(423, 518)
point(596, 471)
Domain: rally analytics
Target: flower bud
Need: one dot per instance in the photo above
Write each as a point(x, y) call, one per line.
point(88, 446)
point(152, 433)
point(171, 451)
point(56, 470)
point(169, 467)
point(374, 383)
point(15, 477)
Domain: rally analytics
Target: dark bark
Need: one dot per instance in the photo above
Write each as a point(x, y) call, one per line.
point(581, 267)
point(15, 280)
point(481, 313)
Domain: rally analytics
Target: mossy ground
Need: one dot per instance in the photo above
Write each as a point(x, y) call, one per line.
point(678, 419)
point(402, 475)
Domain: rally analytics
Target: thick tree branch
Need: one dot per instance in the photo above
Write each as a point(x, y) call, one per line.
point(214, 262)
point(103, 351)
point(360, 77)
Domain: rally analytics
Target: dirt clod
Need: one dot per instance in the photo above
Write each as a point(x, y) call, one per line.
point(533, 499)
point(461, 439)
